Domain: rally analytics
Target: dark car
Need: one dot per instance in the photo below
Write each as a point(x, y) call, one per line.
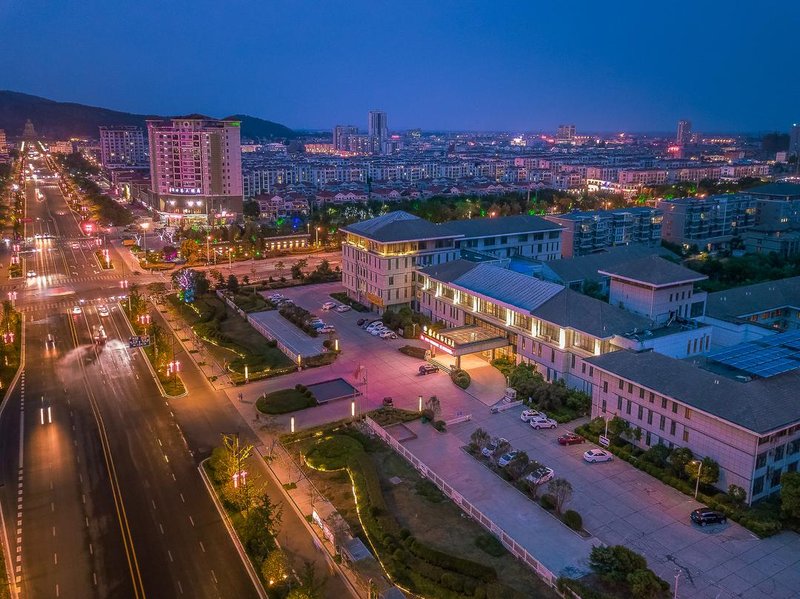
point(388, 402)
point(361, 321)
point(428, 369)
point(704, 515)
point(570, 439)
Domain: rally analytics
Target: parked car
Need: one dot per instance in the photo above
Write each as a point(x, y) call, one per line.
point(528, 414)
point(378, 331)
point(428, 369)
point(506, 458)
point(342, 308)
point(318, 325)
point(570, 439)
point(388, 335)
point(597, 455)
point(372, 324)
point(705, 515)
point(329, 306)
point(538, 422)
point(361, 321)
point(540, 475)
point(489, 450)
point(327, 329)
point(388, 402)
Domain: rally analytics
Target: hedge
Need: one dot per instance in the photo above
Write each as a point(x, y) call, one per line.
point(460, 377)
point(413, 351)
point(573, 519)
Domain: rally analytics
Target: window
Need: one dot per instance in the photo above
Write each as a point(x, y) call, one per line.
point(687, 413)
point(674, 407)
point(664, 402)
point(761, 460)
point(641, 393)
point(686, 435)
point(649, 416)
point(758, 485)
point(620, 383)
point(652, 397)
point(662, 423)
point(641, 412)
point(628, 407)
point(779, 453)
point(672, 428)
point(605, 386)
point(775, 479)
point(604, 406)
point(647, 438)
point(619, 402)
point(793, 447)
point(583, 366)
point(630, 388)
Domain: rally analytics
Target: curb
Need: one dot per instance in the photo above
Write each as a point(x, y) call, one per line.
point(232, 533)
point(149, 365)
point(10, 571)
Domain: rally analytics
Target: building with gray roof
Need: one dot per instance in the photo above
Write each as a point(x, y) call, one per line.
point(507, 236)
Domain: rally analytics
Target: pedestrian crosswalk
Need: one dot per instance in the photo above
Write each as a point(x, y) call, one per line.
point(61, 305)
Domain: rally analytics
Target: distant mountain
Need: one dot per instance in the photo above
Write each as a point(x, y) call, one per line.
point(62, 120)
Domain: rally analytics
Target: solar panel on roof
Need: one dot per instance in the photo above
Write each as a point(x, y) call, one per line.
point(764, 358)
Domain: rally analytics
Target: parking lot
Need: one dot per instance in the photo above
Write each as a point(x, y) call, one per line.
point(623, 505)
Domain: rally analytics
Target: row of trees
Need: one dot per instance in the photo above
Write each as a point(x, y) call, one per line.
point(103, 208)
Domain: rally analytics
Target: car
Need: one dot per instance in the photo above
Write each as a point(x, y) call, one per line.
point(329, 306)
point(428, 369)
point(377, 331)
point(342, 308)
point(374, 325)
point(388, 335)
point(388, 402)
point(597, 455)
point(705, 515)
point(538, 422)
point(492, 446)
point(506, 458)
point(318, 325)
point(50, 341)
point(31, 274)
point(77, 310)
point(528, 414)
point(540, 475)
point(570, 439)
point(103, 311)
point(361, 321)
point(327, 329)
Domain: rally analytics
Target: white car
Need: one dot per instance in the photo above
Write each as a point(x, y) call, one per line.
point(31, 274)
point(538, 422)
point(326, 329)
point(103, 311)
point(77, 310)
point(374, 325)
point(378, 331)
point(506, 458)
point(489, 450)
point(328, 306)
point(388, 335)
point(597, 455)
point(528, 414)
point(342, 308)
point(540, 475)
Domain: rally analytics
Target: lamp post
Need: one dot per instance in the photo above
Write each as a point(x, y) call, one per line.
point(677, 576)
point(316, 243)
point(144, 229)
point(208, 249)
point(697, 484)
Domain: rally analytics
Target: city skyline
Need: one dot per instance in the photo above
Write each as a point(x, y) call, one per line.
point(535, 68)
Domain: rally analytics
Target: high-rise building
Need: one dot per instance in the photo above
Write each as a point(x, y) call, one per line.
point(378, 131)
point(565, 133)
point(3, 143)
point(195, 168)
point(122, 147)
point(794, 140)
point(341, 133)
point(684, 135)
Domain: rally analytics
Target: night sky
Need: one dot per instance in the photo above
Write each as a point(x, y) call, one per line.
point(523, 65)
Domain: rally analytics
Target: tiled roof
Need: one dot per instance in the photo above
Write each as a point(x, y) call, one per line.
point(503, 225)
point(583, 268)
point(653, 270)
point(760, 405)
point(399, 226)
point(751, 299)
point(589, 315)
point(776, 189)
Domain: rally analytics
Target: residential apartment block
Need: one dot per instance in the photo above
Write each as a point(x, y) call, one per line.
point(123, 147)
point(195, 168)
point(709, 223)
point(588, 232)
point(508, 236)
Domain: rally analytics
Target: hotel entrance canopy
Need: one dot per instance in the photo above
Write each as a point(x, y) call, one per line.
point(460, 341)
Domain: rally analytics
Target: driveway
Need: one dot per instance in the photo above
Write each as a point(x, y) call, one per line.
point(623, 505)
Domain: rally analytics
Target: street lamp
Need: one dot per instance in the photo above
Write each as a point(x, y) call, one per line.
point(699, 470)
point(144, 229)
point(317, 230)
point(208, 249)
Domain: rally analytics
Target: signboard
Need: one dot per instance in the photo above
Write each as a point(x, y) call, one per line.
point(375, 299)
point(446, 349)
point(603, 441)
point(139, 341)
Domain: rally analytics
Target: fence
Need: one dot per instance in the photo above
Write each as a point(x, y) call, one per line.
point(507, 540)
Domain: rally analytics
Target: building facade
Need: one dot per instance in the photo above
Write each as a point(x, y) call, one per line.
point(195, 168)
point(341, 137)
point(709, 223)
point(509, 236)
point(684, 133)
point(378, 130)
point(123, 147)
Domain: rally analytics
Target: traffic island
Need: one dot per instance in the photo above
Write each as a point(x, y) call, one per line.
point(104, 259)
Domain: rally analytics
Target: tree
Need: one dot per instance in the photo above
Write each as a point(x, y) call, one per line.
point(279, 265)
point(678, 459)
point(617, 429)
point(790, 495)
point(275, 567)
point(479, 438)
point(516, 467)
point(657, 455)
point(237, 484)
point(644, 584)
point(251, 209)
point(502, 447)
point(432, 404)
point(709, 470)
point(561, 490)
point(310, 586)
point(233, 283)
point(260, 526)
point(737, 494)
point(189, 249)
point(297, 269)
point(615, 563)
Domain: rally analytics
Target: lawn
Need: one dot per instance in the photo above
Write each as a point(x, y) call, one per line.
point(416, 504)
point(232, 340)
point(283, 401)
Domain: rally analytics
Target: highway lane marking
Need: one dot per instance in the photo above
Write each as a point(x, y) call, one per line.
point(191, 520)
point(169, 554)
point(202, 547)
point(214, 576)
point(55, 559)
point(182, 499)
point(91, 549)
point(94, 577)
point(180, 587)
point(161, 527)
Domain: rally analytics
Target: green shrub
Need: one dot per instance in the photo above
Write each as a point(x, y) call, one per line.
point(490, 544)
point(460, 377)
point(451, 562)
point(413, 351)
point(548, 502)
point(333, 452)
point(573, 520)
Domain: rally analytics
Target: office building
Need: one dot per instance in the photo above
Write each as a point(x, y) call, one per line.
point(122, 147)
point(777, 204)
point(794, 141)
point(509, 236)
point(684, 134)
point(565, 133)
point(195, 168)
point(3, 143)
point(592, 231)
point(708, 223)
point(378, 131)
point(341, 136)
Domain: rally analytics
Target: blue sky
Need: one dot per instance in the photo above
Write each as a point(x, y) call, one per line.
point(437, 64)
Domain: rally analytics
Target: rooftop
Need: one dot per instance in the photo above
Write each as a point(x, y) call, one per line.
point(783, 190)
point(588, 315)
point(760, 405)
point(578, 214)
point(503, 225)
point(653, 270)
point(586, 267)
point(739, 302)
point(399, 226)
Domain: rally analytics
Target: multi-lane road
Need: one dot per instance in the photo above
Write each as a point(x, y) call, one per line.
point(100, 489)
